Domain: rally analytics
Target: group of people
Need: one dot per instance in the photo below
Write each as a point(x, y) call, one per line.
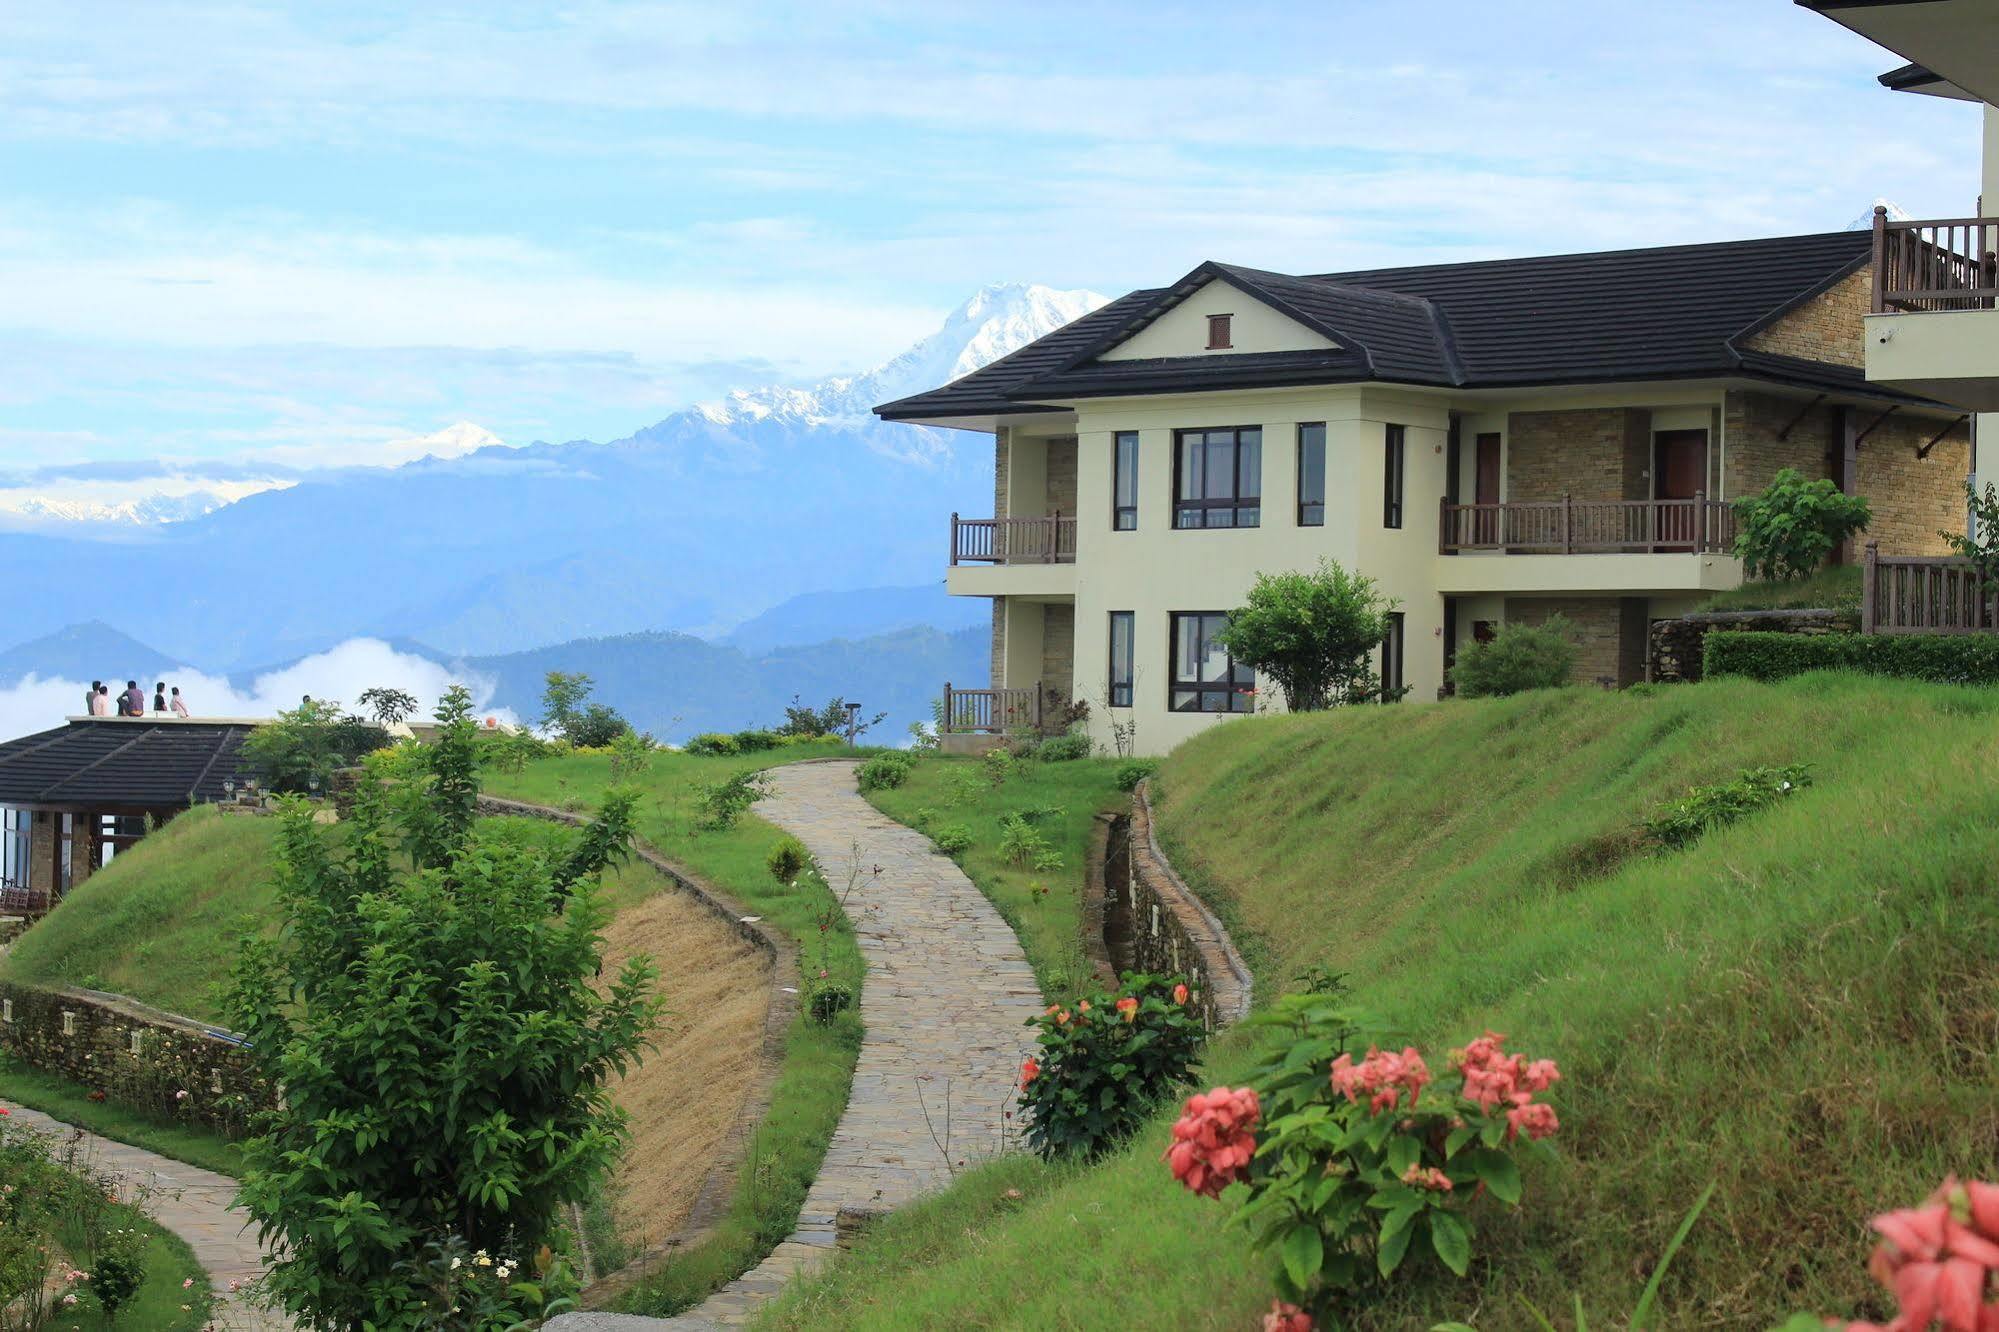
point(99, 702)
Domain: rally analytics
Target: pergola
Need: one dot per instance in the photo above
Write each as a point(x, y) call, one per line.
point(77, 794)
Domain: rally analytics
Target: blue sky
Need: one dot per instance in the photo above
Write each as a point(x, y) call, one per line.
point(255, 231)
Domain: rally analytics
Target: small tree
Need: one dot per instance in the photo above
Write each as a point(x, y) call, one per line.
point(596, 727)
point(1518, 658)
point(1981, 546)
point(303, 746)
point(562, 697)
point(442, 1052)
point(1312, 633)
point(1788, 529)
point(388, 706)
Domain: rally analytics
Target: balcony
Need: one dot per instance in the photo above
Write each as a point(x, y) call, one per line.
point(1013, 557)
point(1934, 329)
point(1588, 546)
point(991, 711)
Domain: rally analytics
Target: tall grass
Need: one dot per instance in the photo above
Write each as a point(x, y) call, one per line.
point(1802, 1009)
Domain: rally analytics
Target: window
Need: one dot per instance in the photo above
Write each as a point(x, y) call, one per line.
point(1391, 479)
point(1124, 481)
point(1218, 479)
point(1121, 659)
point(1391, 660)
point(1312, 474)
point(1205, 677)
point(1218, 332)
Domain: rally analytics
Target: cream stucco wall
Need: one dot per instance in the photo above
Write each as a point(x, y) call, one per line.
point(1183, 330)
point(1987, 426)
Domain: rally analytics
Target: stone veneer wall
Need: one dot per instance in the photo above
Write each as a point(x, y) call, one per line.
point(1750, 424)
point(1062, 475)
point(1058, 660)
point(1677, 645)
point(1598, 622)
point(998, 673)
point(1829, 327)
point(1587, 454)
point(136, 1055)
point(1002, 455)
point(1154, 923)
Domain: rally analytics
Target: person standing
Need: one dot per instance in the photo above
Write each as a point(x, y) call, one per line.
point(160, 696)
point(178, 705)
point(135, 700)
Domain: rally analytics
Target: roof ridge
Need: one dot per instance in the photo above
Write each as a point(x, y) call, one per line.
point(1683, 247)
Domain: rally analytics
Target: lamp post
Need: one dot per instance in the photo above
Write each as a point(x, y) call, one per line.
point(853, 723)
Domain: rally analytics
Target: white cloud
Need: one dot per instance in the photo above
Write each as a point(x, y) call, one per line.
point(340, 673)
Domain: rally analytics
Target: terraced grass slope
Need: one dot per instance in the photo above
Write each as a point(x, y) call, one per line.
point(1803, 1008)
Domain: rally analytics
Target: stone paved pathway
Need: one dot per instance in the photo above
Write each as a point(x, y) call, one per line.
point(193, 1203)
point(946, 1000)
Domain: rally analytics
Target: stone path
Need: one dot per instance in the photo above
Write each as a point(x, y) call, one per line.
point(947, 997)
point(193, 1203)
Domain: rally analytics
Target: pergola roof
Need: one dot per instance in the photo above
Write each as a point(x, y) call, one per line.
point(110, 762)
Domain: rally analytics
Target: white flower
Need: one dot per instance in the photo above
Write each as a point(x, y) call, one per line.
point(454, 1264)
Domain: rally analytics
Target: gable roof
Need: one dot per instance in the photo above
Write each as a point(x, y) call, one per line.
point(122, 762)
point(1666, 312)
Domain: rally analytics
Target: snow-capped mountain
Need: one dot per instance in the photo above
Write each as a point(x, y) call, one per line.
point(1865, 222)
point(87, 502)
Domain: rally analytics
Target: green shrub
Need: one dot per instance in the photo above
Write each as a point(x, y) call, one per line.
point(723, 802)
point(1021, 843)
point(1720, 804)
point(1064, 748)
point(998, 765)
point(755, 742)
point(829, 1000)
point(1130, 774)
point(1939, 658)
point(1787, 530)
point(884, 771)
point(1518, 658)
point(1314, 633)
point(953, 839)
point(713, 743)
point(787, 859)
point(1105, 1065)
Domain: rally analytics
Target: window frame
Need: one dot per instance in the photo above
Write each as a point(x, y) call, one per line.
point(1303, 503)
point(1122, 693)
point(1221, 332)
point(1394, 470)
point(1121, 512)
point(1240, 701)
point(1237, 502)
point(1394, 656)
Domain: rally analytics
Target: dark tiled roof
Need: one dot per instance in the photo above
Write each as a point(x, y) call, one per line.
point(1662, 313)
point(112, 762)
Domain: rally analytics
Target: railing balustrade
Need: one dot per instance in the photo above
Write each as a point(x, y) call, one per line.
point(1935, 265)
point(1586, 527)
point(1050, 540)
point(1924, 594)
point(990, 711)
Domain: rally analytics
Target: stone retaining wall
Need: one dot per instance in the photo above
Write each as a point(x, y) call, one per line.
point(1677, 645)
point(1153, 922)
point(133, 1054)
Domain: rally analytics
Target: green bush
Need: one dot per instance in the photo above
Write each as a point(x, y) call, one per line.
point(1939, 658)
point(829, 1000)
point(722, 803)
point(1314, 633)
point(1064, 748)
point(787, 859)
point(998, 765)
point(884, 771)
point(1720, 804)
point(953, 839)
point(1021, 843)
point(753, 742)
point(713, 743)
point(1105, 1065)
point(1518, 658)
point(1786, 530)
point(1130, 774)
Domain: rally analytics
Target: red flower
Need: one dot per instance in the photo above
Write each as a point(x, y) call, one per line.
point(1286, 1318)
point(1180, 994)
point(1213, 1141)
point(1127, 1008)
point(1382, 1077)
point(1030, 1069)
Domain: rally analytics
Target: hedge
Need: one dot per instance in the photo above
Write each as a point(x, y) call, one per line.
point(1940, 658)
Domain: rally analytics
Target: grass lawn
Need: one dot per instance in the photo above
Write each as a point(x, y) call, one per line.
point(811, 1090)
point(1835, 587)
point(1798, 1008)
point(162, 1303)
point(1043, 906)
point(71, 1104)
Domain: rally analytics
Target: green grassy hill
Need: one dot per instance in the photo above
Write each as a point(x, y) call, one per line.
point(160, 922)
point(1803, 1008)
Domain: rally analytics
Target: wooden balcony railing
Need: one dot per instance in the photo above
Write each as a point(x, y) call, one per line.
point(1938, 265)
point(1589, 527)
point(1050, 540)
point(991, 711)
point(1923, 594)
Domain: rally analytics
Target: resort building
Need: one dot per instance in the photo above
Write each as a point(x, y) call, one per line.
point(1492, 442)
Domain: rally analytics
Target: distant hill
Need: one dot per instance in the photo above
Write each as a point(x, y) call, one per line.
point(819, 617)
point(89, 651)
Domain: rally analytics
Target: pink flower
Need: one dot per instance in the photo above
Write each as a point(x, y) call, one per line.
point(1286, 1318)
point(1180, 994)
point(1534, 1118)
point(1030, 1069)
point(1382, 1077)
point(1427, 1177)
point(186, 1283)
point(1214, 1140)
point(1127, 1008)
point(1939, 1258)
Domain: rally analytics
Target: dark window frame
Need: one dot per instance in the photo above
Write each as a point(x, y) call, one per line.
point(1304, 516)
point(1394, 657)
point(1221, 332)
point(1394, 469)
point(1124, 517)
point(1237, 503)
point(1239, 700)
point(1122, 692)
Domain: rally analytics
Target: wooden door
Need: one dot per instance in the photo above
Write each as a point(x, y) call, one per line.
point(1485, 491)
point(1679, 473)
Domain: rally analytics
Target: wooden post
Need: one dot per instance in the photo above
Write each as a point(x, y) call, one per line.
point(1869, 559)
point(1880, 259)
point(1700, 522)
point(945, 725)
point(1444, 523)
point(1568, 537)
point(954, 557)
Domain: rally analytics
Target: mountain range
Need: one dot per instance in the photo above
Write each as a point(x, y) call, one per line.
point(696, 525)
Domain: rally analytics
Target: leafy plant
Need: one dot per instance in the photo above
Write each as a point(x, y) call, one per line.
point(428, 1007)
point(1355, 1167)
point(118, 1268)
point(1313, 633)
point(631, 755)
point(388, 706)
point(1517, 658)
point(1131, 773)
point(997, 766)
point(1787, 530)
point(1021, 843)
point(301, 749)
point(1981, 546)
point(511, 751)
point(1939, 658)
point(884, 771)
point(562, 697)
point(1722, 803)
point(953, 839)
point(787, 859)
point(755, 741)
point(723, 802)
point(830, 999)
point(1064, 748)
point(595, 727)
point(1105, 1064)
point(835, 719)
point(712, 743)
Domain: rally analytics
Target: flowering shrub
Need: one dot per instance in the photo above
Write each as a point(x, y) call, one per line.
point(1938, 1260)
point(1356, 1165)
point(1105, 1063)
